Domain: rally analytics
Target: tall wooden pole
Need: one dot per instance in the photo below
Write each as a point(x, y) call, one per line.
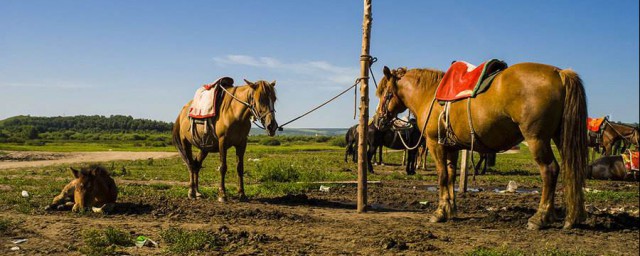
point(364, 108)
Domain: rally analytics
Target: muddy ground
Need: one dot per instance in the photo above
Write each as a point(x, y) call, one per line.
point(325, 223)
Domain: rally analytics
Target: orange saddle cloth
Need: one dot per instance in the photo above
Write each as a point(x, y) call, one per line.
point(594, 124)
point(464, 80)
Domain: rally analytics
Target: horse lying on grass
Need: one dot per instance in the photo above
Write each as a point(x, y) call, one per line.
point(92, 188)
point(610, 168)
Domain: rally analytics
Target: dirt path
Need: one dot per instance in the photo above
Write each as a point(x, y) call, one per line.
point(21, 159)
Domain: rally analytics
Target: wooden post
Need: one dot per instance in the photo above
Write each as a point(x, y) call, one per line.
point(463, 170)
point(364, 109)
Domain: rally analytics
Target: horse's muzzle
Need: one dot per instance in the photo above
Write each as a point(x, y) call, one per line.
point(271, 128)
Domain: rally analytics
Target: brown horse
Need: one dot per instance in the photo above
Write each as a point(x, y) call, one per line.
point(231, 127)
point(92, 188)
point(534, 102)
point(613, 133)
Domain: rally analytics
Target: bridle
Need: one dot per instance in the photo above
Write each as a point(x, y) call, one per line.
point(255, 114)
point(386, 112)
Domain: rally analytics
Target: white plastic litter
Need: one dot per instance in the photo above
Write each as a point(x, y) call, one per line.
point(324, 188)
point(19, 241)
point(25, 193)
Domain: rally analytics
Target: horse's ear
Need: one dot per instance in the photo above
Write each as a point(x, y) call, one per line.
point(273, 84)
point(386, 71)
point(252, 85)
point(75, 172)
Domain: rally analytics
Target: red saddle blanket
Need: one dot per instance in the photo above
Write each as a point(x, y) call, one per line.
point(204, 104)
point(631, 160)
point(464, 80)
point(594, 124)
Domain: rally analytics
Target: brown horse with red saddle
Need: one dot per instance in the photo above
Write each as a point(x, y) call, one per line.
point(534, 102)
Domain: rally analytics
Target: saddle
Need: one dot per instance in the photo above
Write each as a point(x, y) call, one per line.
point(595, 124)
point(204, 109)
point(207, 99)
point(594, 128)
point(464, 80)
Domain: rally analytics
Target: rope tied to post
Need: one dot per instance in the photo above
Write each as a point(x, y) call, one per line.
point(366, 58)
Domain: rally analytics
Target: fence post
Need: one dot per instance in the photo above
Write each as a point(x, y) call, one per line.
point(364, 109)
point(463, 170)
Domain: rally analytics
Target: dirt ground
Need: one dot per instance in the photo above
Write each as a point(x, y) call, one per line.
point(19, 159)
point(325, 223)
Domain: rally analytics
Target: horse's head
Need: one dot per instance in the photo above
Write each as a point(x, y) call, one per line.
point(86, 187)
point(263, 102)
point(390, 104)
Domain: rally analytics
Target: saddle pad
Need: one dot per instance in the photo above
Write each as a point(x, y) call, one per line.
point(205, 99)
point(463, 80)
point(594, 124)
point(635, 160)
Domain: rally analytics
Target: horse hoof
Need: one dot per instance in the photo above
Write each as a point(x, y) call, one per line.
point(436, 219)
point(222, 199)
point(243, 198)
point(533, 226)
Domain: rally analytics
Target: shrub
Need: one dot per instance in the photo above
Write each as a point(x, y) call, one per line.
point(270, 142)
point(280, 173)
point(338, 141)
point(322, 139)
point(102, 242)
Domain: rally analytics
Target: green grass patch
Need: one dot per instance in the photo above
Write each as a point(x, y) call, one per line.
point(182, 241)
point(481, 251)
point(103, 242)
point(5, 226)
point(612, 196)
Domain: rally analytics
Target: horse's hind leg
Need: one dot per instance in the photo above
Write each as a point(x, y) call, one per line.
point(195, 173)
point(222, 192)
point(549, 170)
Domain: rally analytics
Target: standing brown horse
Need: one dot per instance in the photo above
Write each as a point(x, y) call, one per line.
point(614, 133)
point(231, 127)
point(530, 101)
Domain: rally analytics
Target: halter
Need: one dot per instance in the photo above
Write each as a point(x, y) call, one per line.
point(255, 114)
point(385, 105)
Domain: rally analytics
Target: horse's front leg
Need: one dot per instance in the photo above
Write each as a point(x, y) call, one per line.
point(445, 166)
point(240, 160)
point(222, 192)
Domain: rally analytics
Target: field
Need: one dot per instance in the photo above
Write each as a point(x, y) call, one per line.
point(288, 214)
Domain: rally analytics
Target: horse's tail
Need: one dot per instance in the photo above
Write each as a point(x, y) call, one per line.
point(574, 146)
point(177, 140)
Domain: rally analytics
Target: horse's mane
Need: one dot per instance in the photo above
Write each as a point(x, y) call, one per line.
point(265, 89)
point(425, 77)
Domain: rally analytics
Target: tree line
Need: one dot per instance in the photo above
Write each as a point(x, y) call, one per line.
point(20, 128)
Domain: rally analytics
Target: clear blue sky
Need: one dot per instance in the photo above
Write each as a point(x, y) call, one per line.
point(146, 58)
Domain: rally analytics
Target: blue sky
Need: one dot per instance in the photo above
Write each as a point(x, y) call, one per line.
point(146, 58)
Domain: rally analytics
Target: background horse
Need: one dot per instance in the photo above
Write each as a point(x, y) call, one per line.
point(610, 168)
point(92, 188)
point(377, 138)
point(351, 149)
point(231, 128)
point(614, 133)
point(530, 101)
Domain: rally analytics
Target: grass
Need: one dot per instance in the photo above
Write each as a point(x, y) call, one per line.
point(481, 251)
point(5, 226)
point(103, 242)
point(270, 171)
point(182, 241)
